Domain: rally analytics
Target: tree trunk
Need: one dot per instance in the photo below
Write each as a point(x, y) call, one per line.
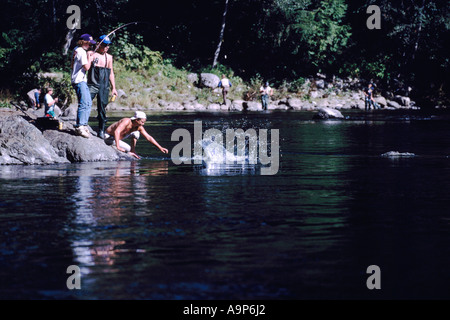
point(416, 45)
point(216, 54)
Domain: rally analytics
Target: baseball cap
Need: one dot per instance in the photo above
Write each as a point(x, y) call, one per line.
point(87, 37)
point(139, 115)
point(105, 39)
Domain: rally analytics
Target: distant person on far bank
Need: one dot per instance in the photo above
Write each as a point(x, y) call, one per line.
point(266, 91)
point(368, 98)
point(50, 103)
point(129, 128)
point(33, 96)
point(81, 63)
point(225, 84)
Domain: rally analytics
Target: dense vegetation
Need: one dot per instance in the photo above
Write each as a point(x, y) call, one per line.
point(278, 40)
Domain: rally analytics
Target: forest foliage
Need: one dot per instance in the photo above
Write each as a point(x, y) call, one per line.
point(278, 40)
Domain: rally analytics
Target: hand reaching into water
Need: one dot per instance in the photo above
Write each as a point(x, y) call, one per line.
point(134, 155)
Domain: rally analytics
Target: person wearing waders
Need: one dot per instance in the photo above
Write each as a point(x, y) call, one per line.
point(100, 75)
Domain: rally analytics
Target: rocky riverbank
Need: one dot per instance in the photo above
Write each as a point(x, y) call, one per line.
point(313, 94)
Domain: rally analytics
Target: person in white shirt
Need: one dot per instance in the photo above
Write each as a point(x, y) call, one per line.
point(266, 91)
point(225, 84)
point(81, 62)
point(50, 103)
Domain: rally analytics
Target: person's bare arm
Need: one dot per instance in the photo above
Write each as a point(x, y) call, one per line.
point(112, 78)
point(152, 140)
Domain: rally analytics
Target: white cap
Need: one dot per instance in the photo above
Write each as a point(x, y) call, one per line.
point(139, 115)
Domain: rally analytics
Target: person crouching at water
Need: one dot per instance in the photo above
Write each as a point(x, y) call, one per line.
point(129, 128)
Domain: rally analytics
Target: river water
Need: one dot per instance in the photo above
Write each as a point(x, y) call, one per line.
point(151, 229)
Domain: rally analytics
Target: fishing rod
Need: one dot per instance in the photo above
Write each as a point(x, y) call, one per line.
point(122, 26)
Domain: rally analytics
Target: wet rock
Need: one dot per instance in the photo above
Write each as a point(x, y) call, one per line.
point(328, 113)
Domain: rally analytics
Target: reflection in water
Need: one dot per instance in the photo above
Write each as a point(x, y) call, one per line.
point(105, 197)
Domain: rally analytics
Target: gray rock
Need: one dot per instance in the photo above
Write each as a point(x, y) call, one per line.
point(328, 113)
point(393, 104)
point(315, 94)
point(198, 106)
point(192, 78)
point(121, 94)
point(294, 103)
point(213, 106)
point(22, 143)
point(209, 80)
point(320, 84)
point(188, 106)
point(78, 149)
point(174, 106)
point(70, 112)
point(404, 101)
point(52, 75)
point(237, 105)
point(380, 100)
point(308, 106)
point(322, 103)
point(252, 106)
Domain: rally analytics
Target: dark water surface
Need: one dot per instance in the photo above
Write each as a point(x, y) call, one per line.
point(151, 229)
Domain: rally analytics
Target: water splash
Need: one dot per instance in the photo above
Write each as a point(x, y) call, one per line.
point(217, 160)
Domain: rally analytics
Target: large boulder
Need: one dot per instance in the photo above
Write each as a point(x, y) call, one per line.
point(393, 104)
point(209, 80)
point(237, 105)
point(192, 78)
point(328, 113)
point(295, 103)
point(22, 143)
point(403, 101)
point(381, 100)
point(78, 149)
point(252, 106)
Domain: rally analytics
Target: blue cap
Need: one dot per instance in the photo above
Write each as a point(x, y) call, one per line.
point(105, 39)
point(87, 37)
